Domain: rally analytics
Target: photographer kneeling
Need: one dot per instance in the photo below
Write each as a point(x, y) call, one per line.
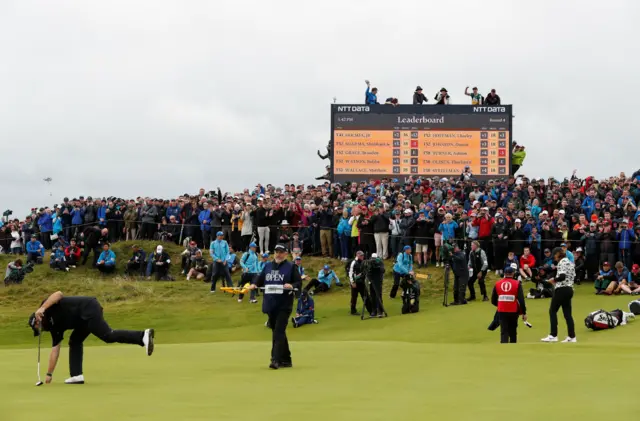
point(16, 272)
point(356, 279)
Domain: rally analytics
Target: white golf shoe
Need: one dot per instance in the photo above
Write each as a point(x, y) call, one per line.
point(75, 380)
point(147, 340)
point(569, 340)
point(550, 339)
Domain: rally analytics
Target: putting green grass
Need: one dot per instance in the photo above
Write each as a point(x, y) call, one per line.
point(212, 354)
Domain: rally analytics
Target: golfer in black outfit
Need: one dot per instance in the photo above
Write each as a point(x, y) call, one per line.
point(279, 278)
point(84, 316)
point(562, 295)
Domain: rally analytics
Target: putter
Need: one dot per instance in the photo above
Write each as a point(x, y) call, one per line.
point(527, 324)
point(39, 342)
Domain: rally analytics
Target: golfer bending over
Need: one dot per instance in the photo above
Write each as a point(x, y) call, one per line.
point(83, 315)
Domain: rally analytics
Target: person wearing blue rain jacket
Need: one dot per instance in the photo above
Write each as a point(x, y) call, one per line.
point(102, 215)
point(35, 250)
point(57, 224)
point(370, 95)
point(305, 311)
point(401, 268)
point(204, 217)
point(251, 267)
point(589, 205)
point(107, 260)
point(326, 276)
point(219, 251)
point(77, 216)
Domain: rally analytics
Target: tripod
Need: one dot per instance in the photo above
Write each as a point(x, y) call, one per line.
point(447, 270)
point(368, 285)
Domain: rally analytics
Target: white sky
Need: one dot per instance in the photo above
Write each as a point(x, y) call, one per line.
point(160, 98)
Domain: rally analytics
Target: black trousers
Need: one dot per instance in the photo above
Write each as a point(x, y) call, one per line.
point(361, 290)
point(162, 272)
point(134, 268)
point(561, 298)
point(247, 278)
point(148, 230)
point(480, 278)
point(87, 251)
point(206, 239)
point(317, 286)
point(278, 321)
point(220, 270)
point(106, 269)
point(396, 284)
point(460, 287)
point(508, 327)
point(96, 325)
point(591, 265)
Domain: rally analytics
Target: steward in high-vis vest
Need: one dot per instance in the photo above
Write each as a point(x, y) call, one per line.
point(508, 296)
point(279, 278)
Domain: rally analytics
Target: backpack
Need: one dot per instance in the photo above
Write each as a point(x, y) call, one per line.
point(410, 295)
point(602, 320)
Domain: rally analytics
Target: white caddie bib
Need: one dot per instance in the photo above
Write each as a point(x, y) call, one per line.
point(507, 298)
point(274, 289)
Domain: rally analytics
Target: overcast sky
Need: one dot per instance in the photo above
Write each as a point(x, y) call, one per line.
point(160, 98)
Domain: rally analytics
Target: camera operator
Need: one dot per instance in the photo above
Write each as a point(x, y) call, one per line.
point(374, 271)
point(16, 272)
point(479, 267)
point(356, 280)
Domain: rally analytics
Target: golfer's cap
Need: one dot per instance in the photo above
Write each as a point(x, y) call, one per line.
point(280, 247)
point(298, 258)
point(375, 256)
point(265, 255)
point(606, 264)
point(359, 253)
point(563, 245)
point(518, 221)
point(159, 249)
point(326, 267)
point(252, 245)
point(220, 234)
point(405, 248)
point(32, 324)
point(509, 269)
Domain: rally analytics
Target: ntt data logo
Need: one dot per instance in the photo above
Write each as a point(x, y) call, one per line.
point(353, 108)
point(489, 110)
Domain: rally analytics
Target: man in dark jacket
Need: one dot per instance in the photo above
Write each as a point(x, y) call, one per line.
point(380, 222)
point(418, 96)
point(137, 263)
point(461, 275)
point(591, 253)
point(161, 263)
point(148, 215)
point(492, 98)
point(93, 239)
point(325, 224)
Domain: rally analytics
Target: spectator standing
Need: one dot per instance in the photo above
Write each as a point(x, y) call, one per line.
point(492, 98)
point(130, 223)
point(370, 95)
point(205, 224)
point(442, 97)
point(247, 226)
point(476, 97)
point(262, 219)
point(325, 223)
point(219, 251)
point(148, 216)
point(418, 96)
point(380, 222)
point(344, 236)
point(625, 238)
point(45, 222)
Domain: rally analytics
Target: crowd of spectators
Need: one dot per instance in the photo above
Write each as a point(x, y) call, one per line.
point(441, 97)
point(515, 220)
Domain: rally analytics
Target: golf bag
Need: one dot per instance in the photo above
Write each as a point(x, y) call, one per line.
point(601, 320)
point(410, 294)
point(634, 307)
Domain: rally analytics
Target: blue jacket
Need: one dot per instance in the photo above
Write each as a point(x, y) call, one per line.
point(231, 259)
point(109, 258)
point(46, 223)
point(173, 211)
point(624, 276)
point(448, 230)
point(102, 213)
point(570, 257)
point(205, 215)
point(535, 212)
point(35, 247)
point(57, 254)
point(327, 278)
point(344, 227)
point(508, 262)
point(57, 224)
point(219, 249)
point(261, 265)
point(249, 262)
point(588, 205)
point(76, 216)
point(306, 307)
point(369, 97)
point(625, 238)
point(404, 263)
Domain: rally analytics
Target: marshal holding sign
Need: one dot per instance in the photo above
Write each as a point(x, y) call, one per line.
point(380, 141)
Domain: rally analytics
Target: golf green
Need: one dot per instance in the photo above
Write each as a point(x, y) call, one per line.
point(330, 380)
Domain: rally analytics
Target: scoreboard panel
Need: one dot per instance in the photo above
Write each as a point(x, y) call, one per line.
point(427, 140)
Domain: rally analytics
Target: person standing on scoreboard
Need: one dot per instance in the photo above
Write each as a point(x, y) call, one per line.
point(370, 96)
point(476, 97)
point(418, 96)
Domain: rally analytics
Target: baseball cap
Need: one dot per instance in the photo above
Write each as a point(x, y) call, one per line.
point(159, 249)
point(359, 253)
point(252, 245)
point(298, 258)
point(579, 249)
point(563, 245)
point(509, 269)
point(606, 264)
point(518, 220)
point(219, 234)
point(635, 267)
point(280, 247)
point(405, 248)
point(375, 256)
point(265, 255)
point(326, 267)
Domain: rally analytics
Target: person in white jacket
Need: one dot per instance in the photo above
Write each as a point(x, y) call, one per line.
point(16, 243)
point(395, 241)
point(247, 227)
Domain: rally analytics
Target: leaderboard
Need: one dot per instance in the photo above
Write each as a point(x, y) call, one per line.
point(438, 140)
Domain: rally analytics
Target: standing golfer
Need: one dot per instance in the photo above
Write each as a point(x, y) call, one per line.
point(508, 296)
point(83, 315)
point(279, 278)
point(562, 295)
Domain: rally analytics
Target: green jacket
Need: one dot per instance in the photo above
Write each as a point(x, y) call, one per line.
point(518, 157)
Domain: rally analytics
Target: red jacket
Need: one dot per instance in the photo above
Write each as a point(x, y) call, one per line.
point(530, 260)
point(485, 226)
point(77, 253)
point(507, 290)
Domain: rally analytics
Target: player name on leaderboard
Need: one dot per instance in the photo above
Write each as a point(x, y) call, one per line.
point(428, 144)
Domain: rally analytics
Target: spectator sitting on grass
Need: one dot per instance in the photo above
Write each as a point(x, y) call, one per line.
point(73, 253)
point(511, 258)
point(58, 260)
point(160, 264)
point(107, 260)
point(15, 273)
point(198, 267)
point(326, 276)
point(188, 255)
point(632, 284)
point(604, 279)
point(527, 263)
point(305, 311)
point(620, 275)
point(137, 262)
point(35, 250)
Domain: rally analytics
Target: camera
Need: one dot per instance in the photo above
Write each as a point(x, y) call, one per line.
point(7, 213)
